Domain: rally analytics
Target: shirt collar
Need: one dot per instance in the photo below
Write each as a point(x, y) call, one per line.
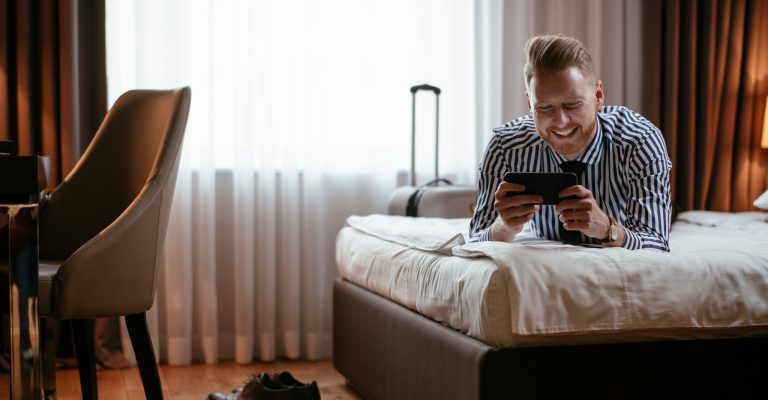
point(593, 151)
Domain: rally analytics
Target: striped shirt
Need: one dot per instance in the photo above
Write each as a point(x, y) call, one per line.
point(627, 171)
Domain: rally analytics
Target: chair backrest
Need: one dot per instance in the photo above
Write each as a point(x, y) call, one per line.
point(115, 204)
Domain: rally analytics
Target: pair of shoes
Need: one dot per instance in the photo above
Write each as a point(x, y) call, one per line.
point(299, 390)
point(279, 386)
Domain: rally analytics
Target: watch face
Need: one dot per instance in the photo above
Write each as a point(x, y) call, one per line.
point(614, 232)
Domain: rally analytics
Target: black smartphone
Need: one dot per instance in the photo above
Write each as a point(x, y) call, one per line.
point(546, 184)
point(7, 148)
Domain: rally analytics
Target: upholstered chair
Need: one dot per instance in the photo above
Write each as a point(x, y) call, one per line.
point(102, 230)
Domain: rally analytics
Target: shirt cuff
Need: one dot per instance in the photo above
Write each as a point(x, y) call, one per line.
point(632, 240)
point(482, 236)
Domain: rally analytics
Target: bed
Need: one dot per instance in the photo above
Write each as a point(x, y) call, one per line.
point(419, 314)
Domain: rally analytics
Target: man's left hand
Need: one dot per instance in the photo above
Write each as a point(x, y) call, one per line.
point(581, 213)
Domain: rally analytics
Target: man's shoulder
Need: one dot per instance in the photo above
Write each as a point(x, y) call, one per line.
point(519, 132)
point(625, 125)
point(624, 116)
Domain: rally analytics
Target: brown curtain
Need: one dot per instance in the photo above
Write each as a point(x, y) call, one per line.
point(52, 83)
point(52, 77)
point(711, 65)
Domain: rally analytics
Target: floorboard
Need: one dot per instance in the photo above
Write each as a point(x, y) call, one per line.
point(195, 381)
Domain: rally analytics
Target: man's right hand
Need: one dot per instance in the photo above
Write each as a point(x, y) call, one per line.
point(514, 210)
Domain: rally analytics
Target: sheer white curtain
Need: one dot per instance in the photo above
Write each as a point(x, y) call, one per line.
point(300, 117)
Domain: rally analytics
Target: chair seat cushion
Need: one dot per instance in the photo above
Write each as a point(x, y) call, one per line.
point(47, 271)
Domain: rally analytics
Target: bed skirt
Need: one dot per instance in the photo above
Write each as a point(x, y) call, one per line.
point(388, 352)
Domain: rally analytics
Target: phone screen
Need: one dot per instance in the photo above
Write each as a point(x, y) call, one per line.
point(546, 184)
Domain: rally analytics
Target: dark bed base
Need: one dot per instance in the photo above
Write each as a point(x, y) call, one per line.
point(388, 352)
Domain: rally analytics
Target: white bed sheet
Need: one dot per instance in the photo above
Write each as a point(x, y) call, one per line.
point(714, 282)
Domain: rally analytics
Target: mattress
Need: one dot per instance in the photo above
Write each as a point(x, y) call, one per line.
point(533, 292)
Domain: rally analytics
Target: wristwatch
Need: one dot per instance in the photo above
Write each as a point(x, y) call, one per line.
point(613, 231)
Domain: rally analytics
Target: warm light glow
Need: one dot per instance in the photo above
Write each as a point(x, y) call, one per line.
point(764, 144)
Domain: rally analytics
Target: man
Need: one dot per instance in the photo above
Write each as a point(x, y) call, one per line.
point(623, 196)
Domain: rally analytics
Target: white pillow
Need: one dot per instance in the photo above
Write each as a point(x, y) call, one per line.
point(762, 201)
point(428, 234)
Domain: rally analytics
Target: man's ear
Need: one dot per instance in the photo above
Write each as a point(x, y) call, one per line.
point(528, 98)
point(599, 94)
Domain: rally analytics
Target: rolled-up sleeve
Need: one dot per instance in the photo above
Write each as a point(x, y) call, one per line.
point(491, 169)
point(648, 212)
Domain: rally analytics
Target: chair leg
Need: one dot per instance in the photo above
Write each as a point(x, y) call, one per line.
point(145, 355)
point(48, 358)
point(82, 335)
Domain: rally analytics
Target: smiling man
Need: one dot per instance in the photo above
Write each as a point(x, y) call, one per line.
point(619, 157)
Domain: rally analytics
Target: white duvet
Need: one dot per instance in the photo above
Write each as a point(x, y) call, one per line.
point(714, 282)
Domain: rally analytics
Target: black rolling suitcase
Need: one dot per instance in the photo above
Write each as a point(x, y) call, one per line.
point(438, 197)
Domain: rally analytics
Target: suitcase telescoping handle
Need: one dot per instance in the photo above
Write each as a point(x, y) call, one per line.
point(414, 90)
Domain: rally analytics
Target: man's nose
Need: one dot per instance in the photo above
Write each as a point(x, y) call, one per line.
point(560, 117)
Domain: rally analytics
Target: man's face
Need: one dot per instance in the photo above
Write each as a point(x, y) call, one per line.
point(564, 105)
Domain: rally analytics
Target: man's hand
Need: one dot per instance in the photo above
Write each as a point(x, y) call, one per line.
point(514, 210)
point(581, 213)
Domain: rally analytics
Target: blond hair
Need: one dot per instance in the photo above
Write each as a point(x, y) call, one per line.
point(555, 53)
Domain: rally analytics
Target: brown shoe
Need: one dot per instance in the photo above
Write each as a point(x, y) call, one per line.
point(235, 394)
point(276, 387)
point(261, 387)
point(302, 391)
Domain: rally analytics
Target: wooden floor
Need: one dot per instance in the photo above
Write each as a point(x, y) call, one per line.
point(196, 381)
